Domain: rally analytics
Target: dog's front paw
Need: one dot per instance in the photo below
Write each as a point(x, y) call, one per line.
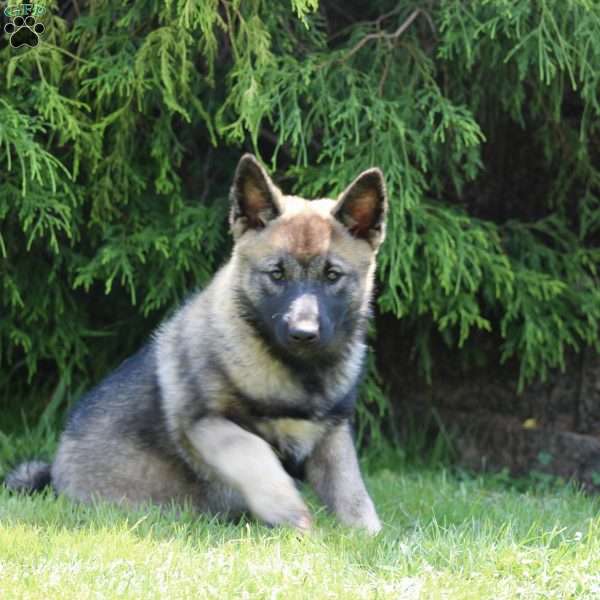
point(371, 523)
point(280, 505)
point(360, 513)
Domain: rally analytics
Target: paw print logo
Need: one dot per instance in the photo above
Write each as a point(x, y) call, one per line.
point(24, 32)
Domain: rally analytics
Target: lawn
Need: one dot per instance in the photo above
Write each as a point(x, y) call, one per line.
point(447, 534)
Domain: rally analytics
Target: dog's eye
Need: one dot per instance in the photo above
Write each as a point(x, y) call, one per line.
point(277, 274)
point(333, 275)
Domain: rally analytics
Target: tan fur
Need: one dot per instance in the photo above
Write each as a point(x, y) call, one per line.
point(303, 235)
point(296, 434)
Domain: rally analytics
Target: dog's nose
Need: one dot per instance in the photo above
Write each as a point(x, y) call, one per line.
point(305, 332)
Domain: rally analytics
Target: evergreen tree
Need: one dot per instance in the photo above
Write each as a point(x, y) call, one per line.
point(120, 130)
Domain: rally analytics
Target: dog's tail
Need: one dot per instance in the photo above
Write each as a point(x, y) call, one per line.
point(29, 477)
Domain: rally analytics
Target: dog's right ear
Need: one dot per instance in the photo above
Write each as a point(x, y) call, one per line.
point(254, 197)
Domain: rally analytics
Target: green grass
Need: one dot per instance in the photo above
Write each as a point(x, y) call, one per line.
point(446, 535)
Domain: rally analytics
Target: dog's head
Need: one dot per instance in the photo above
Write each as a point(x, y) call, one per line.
point(305, 268)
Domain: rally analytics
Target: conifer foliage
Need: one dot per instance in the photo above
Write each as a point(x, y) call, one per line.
point(120, 130)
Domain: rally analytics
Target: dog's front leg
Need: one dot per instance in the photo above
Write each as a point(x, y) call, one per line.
point(332, 469)
point(248, 464)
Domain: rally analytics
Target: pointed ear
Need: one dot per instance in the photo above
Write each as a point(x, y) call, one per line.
point(254, 197)
point(362, 207)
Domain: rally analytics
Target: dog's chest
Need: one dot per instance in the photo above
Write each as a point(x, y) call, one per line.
point(292, 437)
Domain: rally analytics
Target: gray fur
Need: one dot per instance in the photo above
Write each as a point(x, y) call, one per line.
point(213, 407)
point(332, 470)
point(29, 477)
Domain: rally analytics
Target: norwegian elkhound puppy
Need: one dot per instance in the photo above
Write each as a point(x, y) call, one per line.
point(252, 379)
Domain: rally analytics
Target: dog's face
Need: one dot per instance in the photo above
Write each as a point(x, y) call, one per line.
point(305, 268)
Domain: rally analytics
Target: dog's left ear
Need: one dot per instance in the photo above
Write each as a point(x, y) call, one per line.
point(362, 207)
point(254, 197)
